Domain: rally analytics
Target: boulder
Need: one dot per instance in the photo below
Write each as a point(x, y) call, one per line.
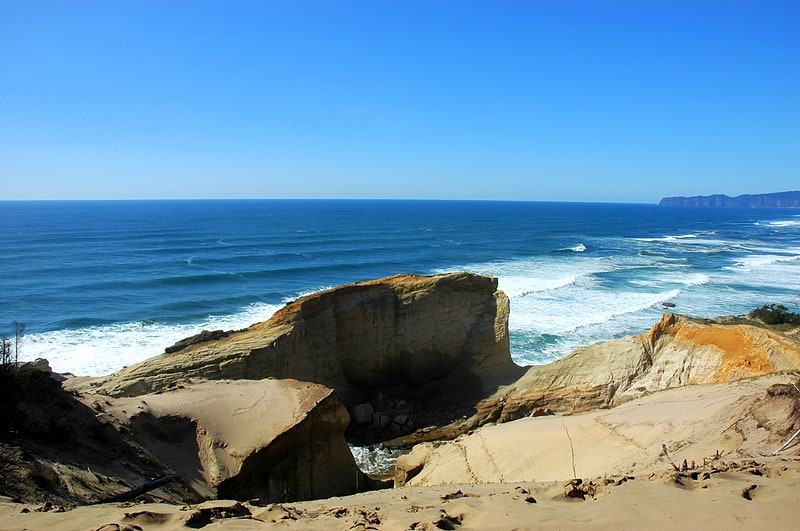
point(275, 440)
point(361, 414)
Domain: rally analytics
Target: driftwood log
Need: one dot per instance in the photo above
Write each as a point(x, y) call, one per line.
point(141, 489)
point(666, 454)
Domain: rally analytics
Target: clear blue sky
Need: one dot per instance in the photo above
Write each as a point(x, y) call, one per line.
point(533, 100)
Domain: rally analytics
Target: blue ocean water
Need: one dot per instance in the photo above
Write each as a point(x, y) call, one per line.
point(101, 285)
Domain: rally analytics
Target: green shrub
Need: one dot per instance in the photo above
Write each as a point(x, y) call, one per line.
point(775, 314)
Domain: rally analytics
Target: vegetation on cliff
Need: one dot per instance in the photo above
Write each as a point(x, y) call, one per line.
point(775, 314)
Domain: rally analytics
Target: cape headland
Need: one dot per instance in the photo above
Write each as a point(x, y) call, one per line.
point(263, 417)
point(771, 200)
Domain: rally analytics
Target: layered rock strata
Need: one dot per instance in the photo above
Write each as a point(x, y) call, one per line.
point(698, 424)
point(444, 336)
point(256, 413)
point(676, 351)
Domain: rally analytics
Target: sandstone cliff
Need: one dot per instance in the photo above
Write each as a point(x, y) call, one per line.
point(444, 336)
point(611, 383)
point(676, 351)
point(705, 425)
point(256, 413)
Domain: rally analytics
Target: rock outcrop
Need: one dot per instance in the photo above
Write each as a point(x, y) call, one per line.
point(727, 378)
point(66, 451)
point(276, 440)
point(698, 424)
point(257, 413)
point(442, 337)
point(676, 351)
point(273, 440)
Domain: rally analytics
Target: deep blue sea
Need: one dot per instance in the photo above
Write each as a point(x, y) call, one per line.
point(104, 284)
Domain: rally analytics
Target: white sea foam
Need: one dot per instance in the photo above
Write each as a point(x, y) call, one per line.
point(774, 271)
point(750, 263)
point(519, 278)
point(558, 314)
point(693, 242)
point(561, 303)
point(785, 223)
point(519, 286)
point(579, 248)
point(377, 460)
point(668, 238)
point(98, 350)
point(681, 237)
point(691, 279)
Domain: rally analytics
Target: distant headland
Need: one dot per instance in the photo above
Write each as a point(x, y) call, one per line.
point(774, 200)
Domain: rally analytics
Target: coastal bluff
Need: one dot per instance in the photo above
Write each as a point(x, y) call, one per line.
point(677, 351)
point(442, 338)
point(773, 200)
point(724, 373)
point(260, 413)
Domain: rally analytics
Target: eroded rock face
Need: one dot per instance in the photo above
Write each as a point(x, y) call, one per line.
point(257, 413)
point(445, 334)
point(685, 352)
point(66, 451)
point(676, 351)
point(696, 423)
point(277, 440)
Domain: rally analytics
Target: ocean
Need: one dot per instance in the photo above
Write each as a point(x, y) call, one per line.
point(103, 284)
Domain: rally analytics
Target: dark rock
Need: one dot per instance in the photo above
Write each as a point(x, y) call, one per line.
point(361, 414)
point(381, 421)
point(196, 339)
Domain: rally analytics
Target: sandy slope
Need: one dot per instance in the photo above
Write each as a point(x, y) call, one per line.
point(694, 422)
point(655, 502)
